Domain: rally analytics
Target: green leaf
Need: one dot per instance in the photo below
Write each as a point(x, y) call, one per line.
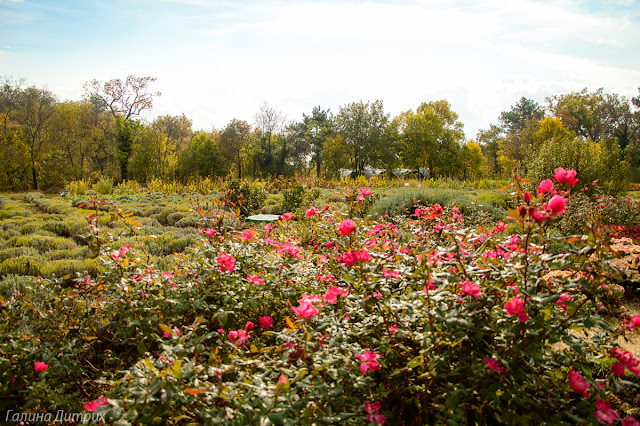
point(416, 361)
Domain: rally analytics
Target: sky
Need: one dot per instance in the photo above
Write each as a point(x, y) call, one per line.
point(222, 59)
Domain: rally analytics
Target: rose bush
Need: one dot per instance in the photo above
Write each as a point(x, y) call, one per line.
point(407, 320)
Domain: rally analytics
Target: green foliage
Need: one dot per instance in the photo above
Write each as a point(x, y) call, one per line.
point(417, 313)
point(248, 198)
point(423, 315)
point(585, 210)
point(78, 187)
point(296, 196)
point(593, 162)
point(104, 186)
point(397, 202)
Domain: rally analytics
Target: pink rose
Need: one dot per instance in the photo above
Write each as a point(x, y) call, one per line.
point(565, 176)
point(40, 367)
point(545, 186)
point(346, 227)
point(92, 406)
point(266, 322)
point(305, 310)
point(556, 204)
point(578, 384)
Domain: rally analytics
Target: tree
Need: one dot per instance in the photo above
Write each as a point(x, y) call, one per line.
point(518, 126)
point(233, 139)
point(315, 130)
point(147, 153)
point(14, 155)
point(363, 127)
point(124, 100)
point(549, 129)
point(490, 142)
point(432, 137)
point(335, 155)
point(471, 159)
point(177, 131)
point(35, 109)
point(268, 121)
point(201, 158)
point(515, 120)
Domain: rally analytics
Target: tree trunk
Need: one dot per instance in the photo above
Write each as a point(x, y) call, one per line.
point(35, 176)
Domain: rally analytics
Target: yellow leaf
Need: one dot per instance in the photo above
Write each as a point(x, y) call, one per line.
point(290, 323)
point(166, 329)
point(253, 349)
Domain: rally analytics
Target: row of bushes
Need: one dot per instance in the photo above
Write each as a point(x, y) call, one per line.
point(333, 318)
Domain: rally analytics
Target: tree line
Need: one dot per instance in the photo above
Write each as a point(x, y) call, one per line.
point(46, 143)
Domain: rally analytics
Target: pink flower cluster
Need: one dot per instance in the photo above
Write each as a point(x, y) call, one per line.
point(208, 232)
point(363, 192)
point(516, 307)
point(578, 384)
point(493, 365)
point(352, 257)
point(254, 279)
point(94, 405)
point(470, 289)
point(625, 359)
point(332, 294)
point(238, 337)
point(122, 252)
point(289, 250)
point(369, 361)
point(226, 262)
point(312, 211)
point(40, 367)
point(434, 211)
point(372, 412)
point(266, 322)
point(565, 176)
point(604, 413)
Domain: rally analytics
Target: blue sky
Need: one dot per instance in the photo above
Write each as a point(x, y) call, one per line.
point(217, 60)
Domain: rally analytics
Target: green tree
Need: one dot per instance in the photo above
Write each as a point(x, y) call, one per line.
point(36, 107)
point(515, 120)
point(336, 155)
point(471, 159)
point(125, 100)
point(364, 128)
point(202, 158)
point(177, 130)
point(592, 161)
point(233, 139)
point(147, 153)
point(14, 167)
point(491, 141)
point(590, 115)
point(315, 130)
point(518, 126)
point(432, 137)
